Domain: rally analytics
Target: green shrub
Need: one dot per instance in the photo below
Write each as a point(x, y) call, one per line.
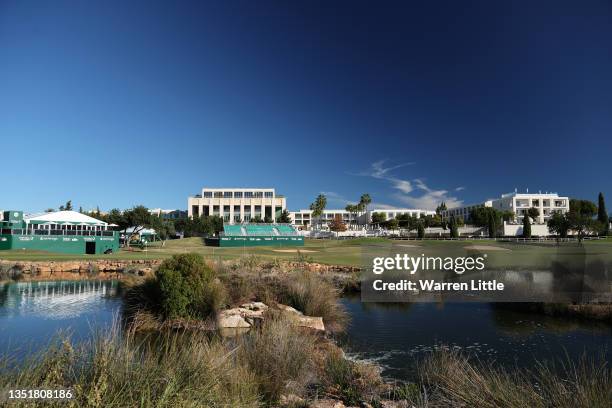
point(188, 288)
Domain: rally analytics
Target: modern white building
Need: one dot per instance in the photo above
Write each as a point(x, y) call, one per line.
point(303, 218)
point(546, 203)
point(517, 203)
point(237, 204)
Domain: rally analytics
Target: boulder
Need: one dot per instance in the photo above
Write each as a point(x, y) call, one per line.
point(327, 403)
point(228, 319)
point(311, 322)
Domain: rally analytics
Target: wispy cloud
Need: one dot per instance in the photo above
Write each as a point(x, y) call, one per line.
point(335, 199)
point(411, 192)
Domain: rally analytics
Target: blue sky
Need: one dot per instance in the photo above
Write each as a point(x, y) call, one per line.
point(122, 103)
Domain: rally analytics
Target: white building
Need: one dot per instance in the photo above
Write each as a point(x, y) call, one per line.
point(303, 218)
point(546, 203)
point(517, 203)
point(237, 204)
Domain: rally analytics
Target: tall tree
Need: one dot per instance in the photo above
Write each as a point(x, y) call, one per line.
point(526, 226)
point(284, 217)
point(533, 213)
point(580, 217)
point(353, 210)
point(492, 224)
point(318, 206)
point(67, 206)
point(421, 229)
point(364, 201)
point(440, 208)
point(558, 225)
point(454, 231)
point(602, 215)
point(378, 218)
point(392, 224)
point(137, 219)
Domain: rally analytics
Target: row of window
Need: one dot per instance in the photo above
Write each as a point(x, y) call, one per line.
point(238, 194)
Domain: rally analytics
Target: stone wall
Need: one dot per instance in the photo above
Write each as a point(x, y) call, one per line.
point(102, 268)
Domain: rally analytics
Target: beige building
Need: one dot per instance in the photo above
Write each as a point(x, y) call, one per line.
point(237, 204)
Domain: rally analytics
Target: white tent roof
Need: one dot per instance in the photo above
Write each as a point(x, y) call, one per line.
point(71, 217)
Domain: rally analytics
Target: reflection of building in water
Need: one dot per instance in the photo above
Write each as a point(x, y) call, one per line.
point(55, 299)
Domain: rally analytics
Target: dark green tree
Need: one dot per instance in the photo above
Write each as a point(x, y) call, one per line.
point(602, 215)
point(421, 230)
point(454, 231)
point(136, 218)
point(284, 217)
point(492, 224)
point(526, 226)
point(581, 217)
point(533, 213)
point(378, 218)
point(558, 224)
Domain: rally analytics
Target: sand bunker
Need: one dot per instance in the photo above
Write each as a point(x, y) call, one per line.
point(408, 246)
point(487, 248)
point(294, 250)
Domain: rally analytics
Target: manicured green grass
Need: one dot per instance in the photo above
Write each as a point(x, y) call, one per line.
point(341, 252)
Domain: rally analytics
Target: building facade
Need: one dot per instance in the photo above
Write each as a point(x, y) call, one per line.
point(516, 203)
point(237, 205)
point(303, 218)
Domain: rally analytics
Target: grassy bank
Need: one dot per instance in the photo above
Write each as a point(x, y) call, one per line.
point(333, 252)
point(278, 365)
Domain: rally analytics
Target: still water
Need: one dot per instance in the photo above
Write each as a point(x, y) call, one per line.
point(31, 313)
point(397, 335)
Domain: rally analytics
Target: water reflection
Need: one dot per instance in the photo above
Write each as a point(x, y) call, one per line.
point(31, 313)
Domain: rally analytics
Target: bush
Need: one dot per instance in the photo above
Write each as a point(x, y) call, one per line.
point(350, 381)
point(280, 355)
point(188, 288)
point(313, 296)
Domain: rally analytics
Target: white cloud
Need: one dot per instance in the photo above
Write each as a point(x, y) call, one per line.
point(412, 193)
point(335, 199)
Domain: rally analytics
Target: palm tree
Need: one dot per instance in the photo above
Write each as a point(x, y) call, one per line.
point(318, 206)
point(364, 201)
point(352, 209)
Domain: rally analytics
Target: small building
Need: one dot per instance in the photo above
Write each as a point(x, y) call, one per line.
point(61, 231)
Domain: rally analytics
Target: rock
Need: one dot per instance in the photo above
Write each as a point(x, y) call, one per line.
point(300, 319)
point(228, 319)
point(327, 403)
point(291, 400)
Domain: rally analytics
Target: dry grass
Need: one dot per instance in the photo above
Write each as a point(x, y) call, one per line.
point(114, 371)
point(451, 380)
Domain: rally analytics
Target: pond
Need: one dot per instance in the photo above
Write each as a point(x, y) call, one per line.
point(393, 335)
point(396, 336)
point(31, 313)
